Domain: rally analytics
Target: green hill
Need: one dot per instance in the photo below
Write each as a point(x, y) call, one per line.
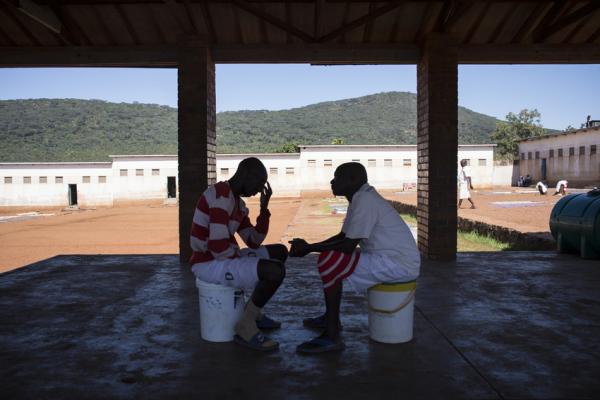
point(90, 130)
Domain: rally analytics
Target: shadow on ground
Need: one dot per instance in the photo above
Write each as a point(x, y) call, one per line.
point(490, 325)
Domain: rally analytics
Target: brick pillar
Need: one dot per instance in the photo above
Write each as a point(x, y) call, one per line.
point(437, 146)
point(196, 133)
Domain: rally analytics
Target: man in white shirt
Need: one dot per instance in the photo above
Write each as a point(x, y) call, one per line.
point(541, 187)
point(561, 187)
point(464, 184)
point(388, 252)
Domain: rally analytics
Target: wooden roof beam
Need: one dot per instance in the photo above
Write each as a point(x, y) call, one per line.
point(572, 18)
point(210, 27)
point(11, 10)
point(377, 12)
point(263, 15)
point(475, 26)
point(529, 23)
point(183, 22)
point(128, 25)
point(502, 23)
point(557, 8)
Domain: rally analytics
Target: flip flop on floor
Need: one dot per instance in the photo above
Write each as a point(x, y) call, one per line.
point(266, 323)
point(258, 342)
point(317, 323)
point(320, 345)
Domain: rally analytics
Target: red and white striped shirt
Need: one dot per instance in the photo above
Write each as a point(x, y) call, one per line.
point(218, 216)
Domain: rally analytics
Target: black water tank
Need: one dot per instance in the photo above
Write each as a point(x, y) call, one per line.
point(575, 224)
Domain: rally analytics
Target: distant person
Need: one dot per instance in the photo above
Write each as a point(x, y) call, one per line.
point(464, 184)
point(561, 187)
point(388, 252)
point(217, 258)
point(588, 124)
point(520, 181)
point(527, 180)
point(542, 187)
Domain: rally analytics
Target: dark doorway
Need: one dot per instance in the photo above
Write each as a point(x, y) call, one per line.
point(72, 194)
point(171, 187)
point(543, 169)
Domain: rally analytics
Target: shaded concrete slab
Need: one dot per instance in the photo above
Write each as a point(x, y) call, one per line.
point(498, 325)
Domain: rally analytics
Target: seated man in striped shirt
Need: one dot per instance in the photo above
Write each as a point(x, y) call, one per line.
point(217, 258)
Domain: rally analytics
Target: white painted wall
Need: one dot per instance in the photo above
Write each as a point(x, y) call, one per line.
point(581, 168)
point(150, 185)
point(51, 193)
point(283, 170)
point(289, 173)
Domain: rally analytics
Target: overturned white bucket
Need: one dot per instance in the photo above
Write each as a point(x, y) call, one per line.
point(220, 309)
point(391, 308)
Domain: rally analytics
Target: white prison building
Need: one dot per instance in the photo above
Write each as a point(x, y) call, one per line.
point(570, 155)
point(130, 178)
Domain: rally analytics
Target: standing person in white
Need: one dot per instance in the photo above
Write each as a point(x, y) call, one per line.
point(388, 252)
point(464, 184)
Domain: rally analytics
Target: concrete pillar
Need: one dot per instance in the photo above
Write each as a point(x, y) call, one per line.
point(437, 147)
point(196, 132)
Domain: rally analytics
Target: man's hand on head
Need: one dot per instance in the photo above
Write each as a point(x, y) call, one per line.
point(265, 195)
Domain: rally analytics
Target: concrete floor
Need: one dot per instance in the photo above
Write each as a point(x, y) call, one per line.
point(491, 325)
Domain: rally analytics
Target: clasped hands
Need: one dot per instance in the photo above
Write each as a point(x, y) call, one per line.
point(300, 247)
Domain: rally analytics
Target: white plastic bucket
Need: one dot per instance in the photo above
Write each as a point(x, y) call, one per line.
point(391, 308)
point(220, 309)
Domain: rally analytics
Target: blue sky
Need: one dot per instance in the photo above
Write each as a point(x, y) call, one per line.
point(564, 94)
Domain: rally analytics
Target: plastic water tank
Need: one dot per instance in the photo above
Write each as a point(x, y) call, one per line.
point(575, 224)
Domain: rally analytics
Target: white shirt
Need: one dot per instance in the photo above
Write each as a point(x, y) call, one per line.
point(462, 176)
point(372, 219)
point(563, 182)
point(544, 187)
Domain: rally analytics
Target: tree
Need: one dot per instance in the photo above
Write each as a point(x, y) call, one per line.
point(524, 125)
point(289, 148)
point(569, 128)
point(337, 141)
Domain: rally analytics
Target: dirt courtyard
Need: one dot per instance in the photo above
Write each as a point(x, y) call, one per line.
point(152, 229)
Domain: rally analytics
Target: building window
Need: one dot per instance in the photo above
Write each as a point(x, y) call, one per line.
point(355, 160)
point(225, 171)
point(327, 163)
point(139, 172)
point(537, 155)
point(8, 179)
point(155, 171)
point(43, 179)
point(312, 163)
point(273, 171)
point(372, 163)
point(482, 162)
point(102, 179)
point(407, 162)
point(581, 150)
point(551, 154)
point(123, 172)
point(571, 151)
point(522, 156)
point(86, 179)
point(592, 149)
point(387, 162)
point(529, 155)
point(289, 170)
point(26, 179)
point(560, 152)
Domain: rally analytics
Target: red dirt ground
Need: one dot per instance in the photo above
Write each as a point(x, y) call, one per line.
point(152, 229)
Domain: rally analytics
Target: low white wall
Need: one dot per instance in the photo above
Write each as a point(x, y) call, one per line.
point(151, 184)
point(54, 192)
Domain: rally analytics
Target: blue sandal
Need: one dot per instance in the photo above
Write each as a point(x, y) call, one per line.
point(320, 345)
point(258, 342)
point(266, 323)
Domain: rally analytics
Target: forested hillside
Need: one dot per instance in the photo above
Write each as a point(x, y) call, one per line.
point(90, 130)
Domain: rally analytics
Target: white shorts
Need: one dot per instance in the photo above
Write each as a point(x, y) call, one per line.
point(463, 192)
point(238, 272)
point(373, 269)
